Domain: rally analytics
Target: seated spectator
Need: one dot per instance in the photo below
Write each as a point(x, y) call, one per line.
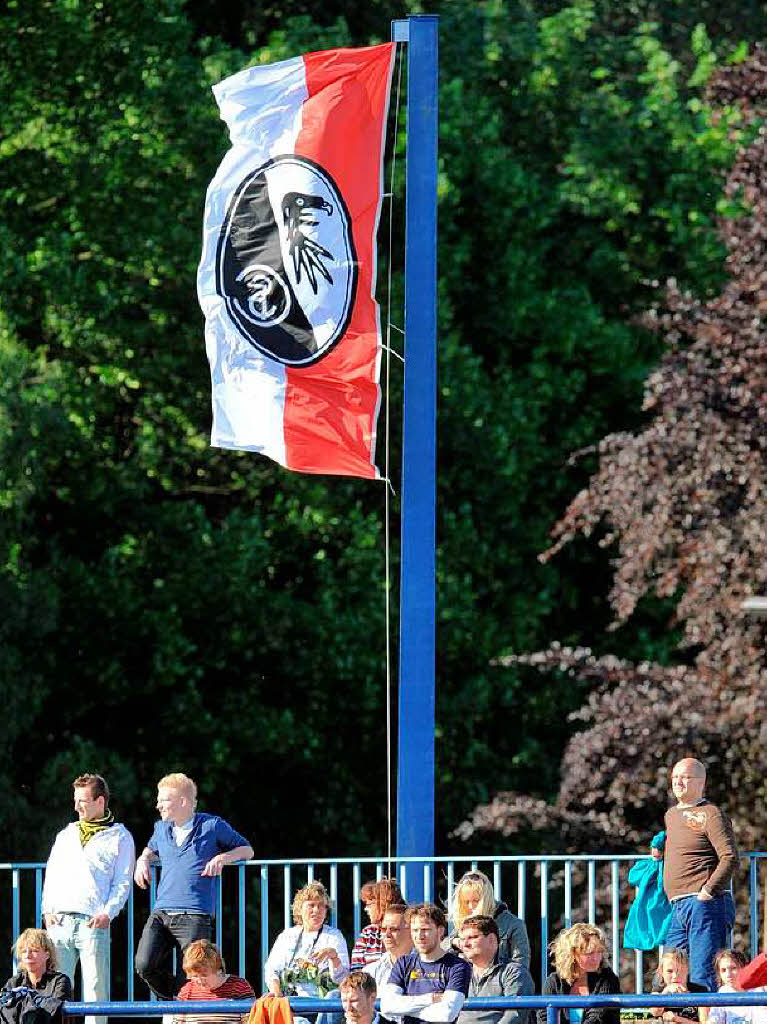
point(397, 942)
point(727, 964)
point(207, 980)
point(358, 998)
point(428, 984)
point(473, 895)
point(291, 967)
point(579, 955)
point(489, 977)
point(671, 977)
point(37, 991)
point(376, 896)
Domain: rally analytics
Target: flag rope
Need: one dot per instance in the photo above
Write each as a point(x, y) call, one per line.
point(387, 477)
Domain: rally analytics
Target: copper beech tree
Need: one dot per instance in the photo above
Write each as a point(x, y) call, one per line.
point(684, 505)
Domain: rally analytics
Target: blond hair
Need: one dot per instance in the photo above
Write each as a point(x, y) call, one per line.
point(312, 891)
point(472, 882)
point(36, 938)
point(181, 782)
point(581, 938)
point(674, 956)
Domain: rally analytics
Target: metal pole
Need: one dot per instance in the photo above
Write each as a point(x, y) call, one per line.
point(415, 762)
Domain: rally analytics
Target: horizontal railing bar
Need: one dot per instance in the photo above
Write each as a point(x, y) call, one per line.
point(555, 858)
point(303, 1005)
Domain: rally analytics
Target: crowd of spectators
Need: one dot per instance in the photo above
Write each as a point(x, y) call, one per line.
point(419, 962)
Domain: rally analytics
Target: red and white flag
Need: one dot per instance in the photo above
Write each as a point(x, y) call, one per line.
point(288, 268)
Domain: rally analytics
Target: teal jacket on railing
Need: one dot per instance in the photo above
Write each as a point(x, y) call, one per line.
point(649, 916)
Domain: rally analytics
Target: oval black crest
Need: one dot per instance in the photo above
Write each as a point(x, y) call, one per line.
point(285, 263)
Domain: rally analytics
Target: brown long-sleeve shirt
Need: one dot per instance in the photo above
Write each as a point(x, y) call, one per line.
point(700, 850)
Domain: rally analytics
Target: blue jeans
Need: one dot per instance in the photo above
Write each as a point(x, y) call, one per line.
point(163, 935)
point(702, 928)
point(73, 941)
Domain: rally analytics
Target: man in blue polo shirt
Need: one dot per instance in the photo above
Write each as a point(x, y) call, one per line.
point(192, 849)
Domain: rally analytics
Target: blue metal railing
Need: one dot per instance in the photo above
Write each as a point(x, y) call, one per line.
point(570, 887)
point(629, 1001)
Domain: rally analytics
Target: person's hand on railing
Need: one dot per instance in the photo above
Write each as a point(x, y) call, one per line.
point(215, 866)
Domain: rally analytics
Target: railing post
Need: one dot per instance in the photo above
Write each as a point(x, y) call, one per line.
point(522, 889)
point(753, 899)
point(544, 919)
point(287, 897)
point(15, 908)
point(264, 952)
point(616, 923)
point(38, 897)
point(592, 874)
point(568, 893)
point(241, 920)
point(357, 885)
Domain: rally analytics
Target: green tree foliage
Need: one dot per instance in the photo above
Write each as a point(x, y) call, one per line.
point(172, 606)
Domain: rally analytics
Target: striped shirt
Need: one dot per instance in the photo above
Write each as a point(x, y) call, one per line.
point(232, 988)
point(368, 947)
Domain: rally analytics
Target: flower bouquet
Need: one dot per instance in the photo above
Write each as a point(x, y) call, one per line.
point(305, 974)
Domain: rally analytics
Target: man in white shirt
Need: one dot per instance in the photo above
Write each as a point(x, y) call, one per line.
point(397, 942)
point(87, 881)
point(428, 984)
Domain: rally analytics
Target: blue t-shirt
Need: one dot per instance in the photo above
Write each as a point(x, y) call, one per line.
point(417, 977)
point(182, 886)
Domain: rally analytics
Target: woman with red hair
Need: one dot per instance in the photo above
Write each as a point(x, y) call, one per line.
point(377, 898)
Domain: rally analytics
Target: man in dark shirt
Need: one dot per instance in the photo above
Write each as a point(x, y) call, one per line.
point(489, 976)
point(427, 984)
point(700, 858)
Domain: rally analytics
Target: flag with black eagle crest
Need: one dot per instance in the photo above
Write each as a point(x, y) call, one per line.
point(288, 269)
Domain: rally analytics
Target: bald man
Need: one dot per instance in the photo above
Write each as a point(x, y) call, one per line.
point(700, 858)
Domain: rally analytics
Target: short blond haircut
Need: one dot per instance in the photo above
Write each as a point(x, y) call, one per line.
point(581, 938)
point(312, 891)
point(36, 938)
point(201, 954)
point(177, 780)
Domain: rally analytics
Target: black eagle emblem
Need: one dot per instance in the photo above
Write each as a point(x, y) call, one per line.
point(299, 211)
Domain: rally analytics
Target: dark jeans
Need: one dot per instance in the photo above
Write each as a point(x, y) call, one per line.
point(163, 933)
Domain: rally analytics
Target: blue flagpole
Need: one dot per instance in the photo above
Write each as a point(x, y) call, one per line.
point(415, 760)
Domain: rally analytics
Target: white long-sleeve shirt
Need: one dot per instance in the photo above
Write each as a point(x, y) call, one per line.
point(380, 970)
point(91, 879)
point(446, 1009)
point(304, 944)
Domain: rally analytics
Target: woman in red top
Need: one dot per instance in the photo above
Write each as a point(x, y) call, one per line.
point(207, 980)
point(377, 897)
